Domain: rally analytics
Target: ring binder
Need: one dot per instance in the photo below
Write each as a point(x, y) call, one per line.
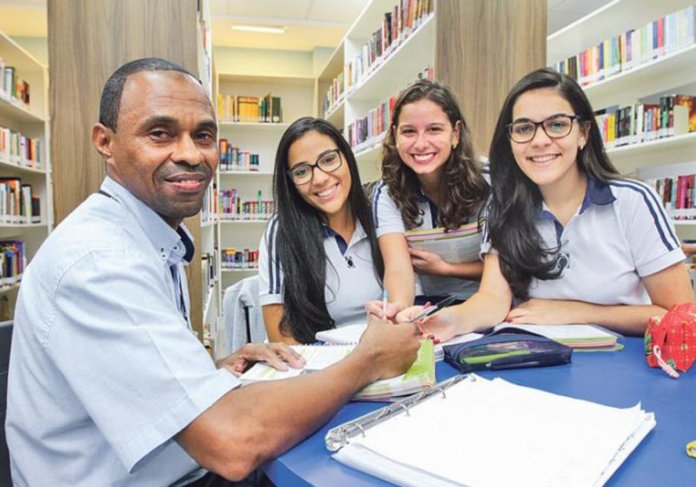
point(336, 438)
point(458, 441)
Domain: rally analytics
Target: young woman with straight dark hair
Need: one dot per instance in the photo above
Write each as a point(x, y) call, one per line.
point(319, 260)
point(569, 240)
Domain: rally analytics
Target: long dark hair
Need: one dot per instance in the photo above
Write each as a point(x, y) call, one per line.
point(300, 240)
point(461, 183)
point(516, 201)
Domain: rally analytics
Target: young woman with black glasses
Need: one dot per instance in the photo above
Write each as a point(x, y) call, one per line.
point(319, 260)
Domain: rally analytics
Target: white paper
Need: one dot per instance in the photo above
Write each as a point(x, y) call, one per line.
point(541, 439)
point(352, 333)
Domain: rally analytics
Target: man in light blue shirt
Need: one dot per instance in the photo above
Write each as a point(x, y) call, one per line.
point(107, 384)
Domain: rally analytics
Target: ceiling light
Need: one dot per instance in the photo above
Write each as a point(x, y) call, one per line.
point(267, 29)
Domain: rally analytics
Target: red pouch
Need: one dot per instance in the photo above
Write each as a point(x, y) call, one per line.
point(670, 342)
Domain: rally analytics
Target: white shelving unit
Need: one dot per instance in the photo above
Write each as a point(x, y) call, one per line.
point(672, 73)
point(398, 68)
point(31, 121)
point(297, 98)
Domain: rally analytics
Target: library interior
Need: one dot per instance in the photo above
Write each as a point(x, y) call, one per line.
point(588, 397)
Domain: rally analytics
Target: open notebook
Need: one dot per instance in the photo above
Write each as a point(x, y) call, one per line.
point(350, 334)
point(485, 433)
point(419, 376)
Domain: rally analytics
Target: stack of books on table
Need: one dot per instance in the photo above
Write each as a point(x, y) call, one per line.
point(420, 376)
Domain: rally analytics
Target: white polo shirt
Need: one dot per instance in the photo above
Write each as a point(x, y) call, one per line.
point(388, 220)
point(619, 235)
point(351, 280)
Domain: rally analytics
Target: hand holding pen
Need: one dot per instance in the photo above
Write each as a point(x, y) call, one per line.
point(432, 309)
point(427, 311)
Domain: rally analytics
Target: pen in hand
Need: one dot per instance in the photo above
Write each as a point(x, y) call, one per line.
point(427, 311)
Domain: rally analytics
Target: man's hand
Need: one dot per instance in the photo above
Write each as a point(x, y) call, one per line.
point(277, 355)
point(391, 348)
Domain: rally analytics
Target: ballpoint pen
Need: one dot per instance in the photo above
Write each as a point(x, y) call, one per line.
point(434, 308)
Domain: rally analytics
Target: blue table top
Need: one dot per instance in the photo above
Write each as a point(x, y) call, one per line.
point(619, 379)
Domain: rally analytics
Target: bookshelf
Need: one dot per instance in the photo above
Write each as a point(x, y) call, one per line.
point(240, 226)
point(24, 160)
point(669, 73)
point(484, 35)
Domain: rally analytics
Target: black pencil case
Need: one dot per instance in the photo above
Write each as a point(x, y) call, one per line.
point(507, 351)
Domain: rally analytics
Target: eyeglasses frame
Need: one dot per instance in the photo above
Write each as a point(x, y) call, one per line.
point(572, 118)
point(316, 165)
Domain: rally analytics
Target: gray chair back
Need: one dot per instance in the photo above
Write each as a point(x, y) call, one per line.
point(5, 341)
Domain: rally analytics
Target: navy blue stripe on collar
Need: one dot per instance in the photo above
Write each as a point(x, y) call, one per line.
point(597, 193)
point(340, 241)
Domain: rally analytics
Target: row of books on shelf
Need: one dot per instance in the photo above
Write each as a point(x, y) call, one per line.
point(18, 149)
point(334, 94)
point(645, 122)
point(368, 129)
point(678, 195)
point(13, 260)
point(18, 202)
point(657, 38)
point(209, 209)
point(12, 87)
point(233, 258)
point(250, 109)
point(232, 206)
point(234, 159)
point(395, 27)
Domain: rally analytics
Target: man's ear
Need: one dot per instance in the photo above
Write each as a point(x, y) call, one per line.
point(102, 138)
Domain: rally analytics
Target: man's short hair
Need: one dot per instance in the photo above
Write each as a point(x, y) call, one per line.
point(110, 102)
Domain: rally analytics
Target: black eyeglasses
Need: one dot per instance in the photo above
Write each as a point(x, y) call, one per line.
point(555, 127)
point(328, 162)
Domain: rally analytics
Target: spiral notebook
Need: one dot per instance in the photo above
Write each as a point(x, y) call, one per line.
point(418, 377)
point(462, 431)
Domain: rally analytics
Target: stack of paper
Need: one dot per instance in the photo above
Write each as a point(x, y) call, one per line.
point(460, 245)
point(492, 433)
point(419, 376)
point(579, 337)
point(350, 334)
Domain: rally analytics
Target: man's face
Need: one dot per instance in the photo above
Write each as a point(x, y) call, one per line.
point(165, 147)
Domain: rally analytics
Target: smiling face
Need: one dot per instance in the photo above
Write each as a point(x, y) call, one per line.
point(424, 137)
point(327, 193)
point(549, 163)
point(164, 150)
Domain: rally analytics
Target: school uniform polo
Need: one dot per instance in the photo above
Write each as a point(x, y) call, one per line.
point(351, 280)
point(619, 235)
point(388, 220)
